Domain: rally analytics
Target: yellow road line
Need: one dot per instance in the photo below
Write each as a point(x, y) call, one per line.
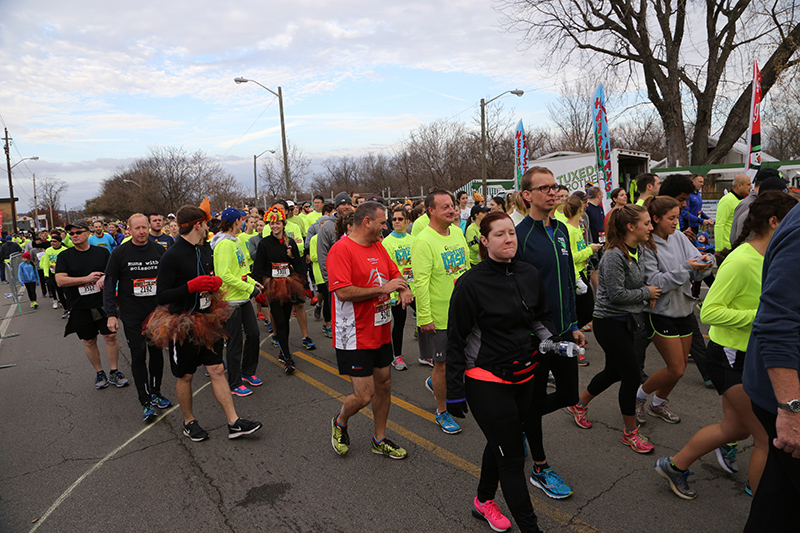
point(541, 506)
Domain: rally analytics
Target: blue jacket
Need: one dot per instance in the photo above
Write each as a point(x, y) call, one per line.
point(692, 215)
point(553, 259)
point(26, 273)
point(774, 340)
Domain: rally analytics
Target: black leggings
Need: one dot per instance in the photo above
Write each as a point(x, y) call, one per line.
point(43, 282)
point(322, 288)
point(56, 291)
point(499, 410)
point(565, 371)
point(147, 383)
point(31, 288)
point(281, 314)
point(398, 326)
point(617, 342)
point(242, 361)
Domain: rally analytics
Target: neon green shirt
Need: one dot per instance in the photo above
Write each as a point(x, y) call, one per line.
point(732, 301)
point(640, 201)
point(311, 218)
point(580, 251)
point(561, 216)
point(312, 253)
point(473, 237)
point(48, 260)
point(399, 250)
point(722, 226)
point(230, 265)
point(244, 241)
point(420, 224)
point(437, 262)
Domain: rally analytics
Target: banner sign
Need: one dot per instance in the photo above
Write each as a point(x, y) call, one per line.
point(602, 144)
point(754, 129)
point(520, 153)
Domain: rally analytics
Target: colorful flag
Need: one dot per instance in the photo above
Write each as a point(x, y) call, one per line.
point(754, 129)
point(521, 152)
point(602, 144)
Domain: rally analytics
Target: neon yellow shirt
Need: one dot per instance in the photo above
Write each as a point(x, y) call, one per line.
point(722, 226)
point(580, 251)
point(48, 260)
point(399, 250)
point(230, 265)
point(312, 253)
point(473, 237)
point(732, 301)
point(420, 224)
point(437, 262)
point(244, 240)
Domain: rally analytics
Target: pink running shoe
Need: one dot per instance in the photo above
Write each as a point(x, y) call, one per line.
point(579, 414)
point(490, 512)
point(636, 441)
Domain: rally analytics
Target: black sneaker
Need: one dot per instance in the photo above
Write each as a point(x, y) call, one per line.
point(194, 431)
point(65, 315)
point(288, 365)
point(242, 427)
point(317, 312)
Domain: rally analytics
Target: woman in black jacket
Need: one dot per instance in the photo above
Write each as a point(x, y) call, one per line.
point(491, 358)
point(283, 270)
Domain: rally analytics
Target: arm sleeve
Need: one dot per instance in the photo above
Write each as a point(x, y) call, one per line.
point(44, 264)
point(460, 322)
point(252, 247)
point(110, 285)
point(421, 264)
point(224, 263)
point(613, 274)
point(666, 281)
point(716, 310)
point(167, 291)
point(722, 227)
point(298, 261)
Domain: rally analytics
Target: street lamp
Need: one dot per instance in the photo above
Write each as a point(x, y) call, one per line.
point(11, 186)
point(279, 94)
point(516, 92)
point(255, 173)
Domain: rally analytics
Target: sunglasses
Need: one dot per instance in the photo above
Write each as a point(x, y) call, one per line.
point(73, 233)
point(398, 219)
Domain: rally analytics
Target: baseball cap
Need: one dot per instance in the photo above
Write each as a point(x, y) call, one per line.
point(773, 183)
point(477, 208)
point(230, 215)
point(341, 198)
point(766, 172)
point(290, 203)
point(79, 225)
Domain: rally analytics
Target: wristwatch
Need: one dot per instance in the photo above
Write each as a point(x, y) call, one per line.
point(792, 406)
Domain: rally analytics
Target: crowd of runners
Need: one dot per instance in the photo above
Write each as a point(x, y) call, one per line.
point(487, 282)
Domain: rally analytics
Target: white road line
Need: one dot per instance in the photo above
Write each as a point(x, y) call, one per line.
point(7, 321)
point(100, 463)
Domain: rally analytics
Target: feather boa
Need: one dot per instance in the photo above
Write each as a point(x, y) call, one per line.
point(201, 329)
point(285, 289)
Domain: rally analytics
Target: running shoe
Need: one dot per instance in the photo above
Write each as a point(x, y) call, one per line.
point(398, 363)
point(447, 423)
point(551, 483)
point(117, 378)
point(640, 418)
point(253, 380)
point(242, 427)
point(389, 449)
point(34, 305)
point(490, 512)
point(308, 344)
point(429, 385)
point(636, 441)
point(582, 361)
point(159, 401)
point(663, 412)
point(327, 331)
point(587, 328)
point(709, 384)
point(426, 361)
point(65, 315)
point(261, 316)
point(268, 324)
point(726, 457)
point(314, 301)
point(194, 431)
point(339, 437)
point(288, 366)
point(149, 413)
point(678, 481)
point(275, 342)
point(317, 312)
point(748, 490)
point(101, 381)
point(579, 414)
point(241, 390)
point(55, 303)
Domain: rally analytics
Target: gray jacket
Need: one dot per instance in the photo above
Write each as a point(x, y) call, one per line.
point(313, 229)
point(621, 289)
point(668, 269)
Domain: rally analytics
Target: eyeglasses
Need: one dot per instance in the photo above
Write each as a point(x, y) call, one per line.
point(73, 233)
point(544, 189)
point(398, 219)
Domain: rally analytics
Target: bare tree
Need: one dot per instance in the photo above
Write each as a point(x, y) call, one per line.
point(647, 39)
point(780, 124)
point(272, 178)
point(641, 131)
point(572, 115)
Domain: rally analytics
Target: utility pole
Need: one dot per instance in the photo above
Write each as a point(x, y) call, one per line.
point(10, 184)
point(35, 206)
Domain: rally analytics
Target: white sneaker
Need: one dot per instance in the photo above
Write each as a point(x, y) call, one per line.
point(55, 304)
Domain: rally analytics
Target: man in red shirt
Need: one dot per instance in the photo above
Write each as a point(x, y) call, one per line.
point(361, 277)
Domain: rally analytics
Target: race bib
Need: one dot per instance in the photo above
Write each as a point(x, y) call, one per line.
point(383, 313)
point(87, 289)
point(144, 287)
point(280, 270)
point(408, 275)
point(205, 300)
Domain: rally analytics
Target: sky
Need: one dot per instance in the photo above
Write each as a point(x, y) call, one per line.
point(88, 86)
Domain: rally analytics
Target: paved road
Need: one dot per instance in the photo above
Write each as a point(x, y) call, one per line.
point(77, 459)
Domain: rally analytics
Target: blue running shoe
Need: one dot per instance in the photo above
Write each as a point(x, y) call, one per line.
point(160, 402)
point(268, 324)
point(308, 344)
point(429, 385)
point(678, 481)
point(551, 483)
point(726, 457)
point(275, 342)
point(253, 380)
point(149, 413)
point(241, 390)
point(447, 423)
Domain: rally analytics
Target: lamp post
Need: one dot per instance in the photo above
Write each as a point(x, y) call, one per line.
point(255, 173)
point(516, 92)
point(279, 94)
point(11, 184)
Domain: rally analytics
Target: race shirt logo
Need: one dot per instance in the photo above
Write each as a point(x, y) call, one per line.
point(376, 278)
point(454, 261)
point(402, 256)
point(240, 257)
point(564, 247)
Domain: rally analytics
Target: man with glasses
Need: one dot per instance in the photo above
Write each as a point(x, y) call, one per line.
point(80, 270)
point(544, 243)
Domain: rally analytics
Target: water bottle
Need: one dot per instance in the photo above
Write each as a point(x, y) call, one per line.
point(562, 348)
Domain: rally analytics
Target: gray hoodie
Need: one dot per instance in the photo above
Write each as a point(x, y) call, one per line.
point(621, 289)
point(668, 269)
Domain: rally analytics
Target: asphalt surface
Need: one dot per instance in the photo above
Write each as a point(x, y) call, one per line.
point(73, 458)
